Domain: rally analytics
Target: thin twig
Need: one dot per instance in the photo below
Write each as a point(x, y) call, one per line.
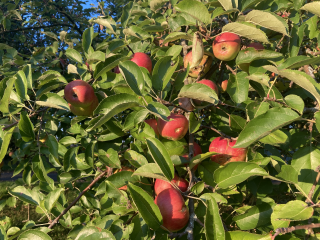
point(55, 221)
point(294, 228)
point(314, 185)
point(231, 70)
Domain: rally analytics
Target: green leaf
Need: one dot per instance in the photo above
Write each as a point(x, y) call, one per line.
point(195, 9)
point(238, 86)
point(89, 153)
point(162, 73)
point(197, 188)
point(108, 23)
point(239, 235)
point(303, 80)
point(313, 7)
point(266, 20)
point(110, 158)
point(53, 146)
point(74, 55)
point(156, 4)
point(87, 39)
point(126, 14)
point(159, 110)
point(34, 234)
point(305, 161)
point(275, 138)
point(28, 72)
point(137, 32)
point(298, 61)
point(122, 178)
point(297, 34)
point(199, 91)
point(53, 100)
point(178, 147)
point(52, 198)
point(111, 106)
point(25, 195)
point(296, 210)
point(295, 102)
point(108, 64)
point(6, 86)
point(246, 31)
point(161, 157)
point(26, 128)
point(250, 54)
point(177, 35)
point(135, 159)
point(5, 137)
point(264, 124)
point(255, 109)
point(150, 170)
point(96, 56)
point(206, 172)
point(194, 124)
point(213, 225)
point(199, 158)
point(21, 85)
point(254, 217)
point(146, 206)
point(228, 4)
point(237, 172)
point(133, 76)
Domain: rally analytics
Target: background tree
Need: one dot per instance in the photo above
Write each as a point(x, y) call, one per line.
point(235, 162)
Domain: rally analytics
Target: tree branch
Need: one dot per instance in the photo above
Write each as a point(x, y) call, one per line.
point(60, 10)
point(314, 185)
point(55, 221)
point(293, 228)
point(38, 27)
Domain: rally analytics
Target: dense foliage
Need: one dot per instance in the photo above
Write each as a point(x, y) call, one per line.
point(269, 109)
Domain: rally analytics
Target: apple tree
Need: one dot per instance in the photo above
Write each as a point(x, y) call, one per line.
point(169, 119)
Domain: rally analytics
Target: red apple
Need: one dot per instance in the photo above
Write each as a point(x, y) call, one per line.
point(224, 85)
point(174, 212)
point(257, 46)
point(224, 146)
point(204, 65)
point(174, 129)
point(226, 46)
point(196, 151)
point(161, 185)
point(142, 60)
point(81, 97)
point(153, 123)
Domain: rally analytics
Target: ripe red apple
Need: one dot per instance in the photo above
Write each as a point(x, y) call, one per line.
point(161, 185)
point(226, 46)
point(153, 123)
point(80, 97)
point(174, 129)
point(124, 169)
point(204, 65)
point(174, 212)
point(142, 60)
point(224, 85)
point(210, 84)
point(196, 151)
point(227, 153)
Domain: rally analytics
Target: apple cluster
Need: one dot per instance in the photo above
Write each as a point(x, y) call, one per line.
point(81, 98)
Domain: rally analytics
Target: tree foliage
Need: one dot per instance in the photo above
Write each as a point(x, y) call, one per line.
point(270, 107)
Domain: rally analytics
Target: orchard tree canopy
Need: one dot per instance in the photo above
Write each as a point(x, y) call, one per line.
point(170, 119)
